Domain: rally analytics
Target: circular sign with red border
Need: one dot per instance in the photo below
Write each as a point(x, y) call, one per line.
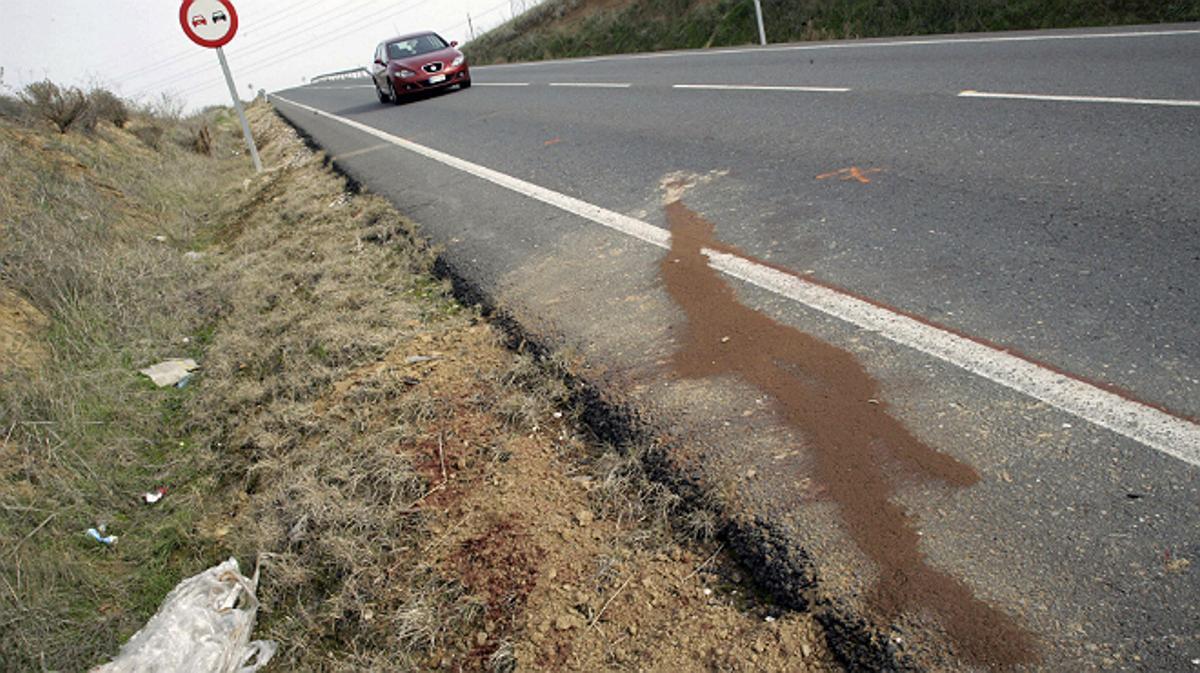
point(208, 23)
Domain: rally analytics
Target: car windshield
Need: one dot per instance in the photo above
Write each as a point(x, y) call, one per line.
point(415, 46)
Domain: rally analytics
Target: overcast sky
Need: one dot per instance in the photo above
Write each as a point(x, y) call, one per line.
point(137, 48)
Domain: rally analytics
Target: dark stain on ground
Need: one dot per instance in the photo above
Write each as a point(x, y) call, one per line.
point(826, 393)
point(500, 566)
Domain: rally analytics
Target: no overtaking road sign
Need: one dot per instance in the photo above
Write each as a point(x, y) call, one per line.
point(212, 24)
point(208, 23)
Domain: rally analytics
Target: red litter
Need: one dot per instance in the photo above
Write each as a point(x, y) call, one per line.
point(154, 496)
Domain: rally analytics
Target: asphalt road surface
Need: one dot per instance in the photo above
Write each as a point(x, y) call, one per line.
point(1004, 231)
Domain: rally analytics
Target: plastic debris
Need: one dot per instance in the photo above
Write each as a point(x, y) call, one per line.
point(170, 372)
point(154, 496)
point(417, 359)
point(202, 626)
point(99, 536)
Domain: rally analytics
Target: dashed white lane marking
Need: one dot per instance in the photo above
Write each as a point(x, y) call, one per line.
point(593, 85)
point(761, 87)
point(854, 44)
point(1170, 102)
point(1154, 428)
point(501, 83)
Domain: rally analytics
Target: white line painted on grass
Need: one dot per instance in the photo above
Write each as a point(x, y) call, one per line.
point(593, 85)
point(1169, 102)
point(1154, 428)
point(855, 44)
point(501, 83)
point(761, 87)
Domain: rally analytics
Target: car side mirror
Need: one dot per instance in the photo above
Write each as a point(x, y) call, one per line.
point(379, 62)
point(454, 43)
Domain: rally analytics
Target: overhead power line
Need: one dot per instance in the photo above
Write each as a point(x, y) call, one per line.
point(346, 30)
point(179, 56)
point(317, 22)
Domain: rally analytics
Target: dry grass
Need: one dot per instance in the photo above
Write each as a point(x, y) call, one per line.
point(83, 435)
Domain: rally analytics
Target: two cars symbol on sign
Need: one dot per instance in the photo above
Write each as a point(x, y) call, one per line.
point(208, 23)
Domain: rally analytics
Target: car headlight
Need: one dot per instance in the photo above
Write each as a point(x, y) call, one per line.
point(405, 73)
point(458, 61)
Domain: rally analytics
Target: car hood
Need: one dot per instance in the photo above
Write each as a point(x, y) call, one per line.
point(446, 56)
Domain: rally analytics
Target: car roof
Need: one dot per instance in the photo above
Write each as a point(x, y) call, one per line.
point(409, 36)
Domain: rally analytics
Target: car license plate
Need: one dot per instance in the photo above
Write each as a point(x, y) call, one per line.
point(437, 79)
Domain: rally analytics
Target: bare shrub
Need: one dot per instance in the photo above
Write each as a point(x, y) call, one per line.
point(65, 108)
point(108, 107)
point(151, 135)
point(167, 107)
point(202, 141)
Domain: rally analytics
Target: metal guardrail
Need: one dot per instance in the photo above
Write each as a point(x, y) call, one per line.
point(341, 74)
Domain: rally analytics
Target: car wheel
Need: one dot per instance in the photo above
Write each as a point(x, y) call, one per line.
point(395, 96)
point(383, 97)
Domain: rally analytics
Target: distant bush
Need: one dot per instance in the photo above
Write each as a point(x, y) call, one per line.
point(12, 107)
point(151, 135)
point(193, 134)
point(66, 108)
point(166, 107)
point(108, 107)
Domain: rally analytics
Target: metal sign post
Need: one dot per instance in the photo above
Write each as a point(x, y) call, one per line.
point(241, 113)
point(212, 24)
point(762, 32)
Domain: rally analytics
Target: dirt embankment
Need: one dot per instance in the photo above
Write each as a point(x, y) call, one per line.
point(419, 496)
point(576, 28)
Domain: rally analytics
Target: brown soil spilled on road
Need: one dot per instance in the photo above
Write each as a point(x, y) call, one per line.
point(828, 395)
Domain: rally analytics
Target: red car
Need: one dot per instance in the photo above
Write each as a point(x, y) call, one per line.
point(199, 21)
point(411, 64)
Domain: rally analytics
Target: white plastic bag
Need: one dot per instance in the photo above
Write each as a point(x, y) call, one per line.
point(203, 626)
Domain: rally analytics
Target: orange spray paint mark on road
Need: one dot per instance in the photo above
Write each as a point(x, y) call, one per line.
point(852, 173)
point(552, 141)
point(826, 393)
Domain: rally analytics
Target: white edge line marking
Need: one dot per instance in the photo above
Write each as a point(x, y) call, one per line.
point(593, 85)
point(501, 83)
point(1170, 102)
point(1158, 430)
point(856, 45)
point(756, 87)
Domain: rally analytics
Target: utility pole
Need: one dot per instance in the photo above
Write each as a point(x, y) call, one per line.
point(762, 32)
point(470, 25)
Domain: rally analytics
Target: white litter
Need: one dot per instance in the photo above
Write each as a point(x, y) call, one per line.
point(203, 626)
point(170, 372)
